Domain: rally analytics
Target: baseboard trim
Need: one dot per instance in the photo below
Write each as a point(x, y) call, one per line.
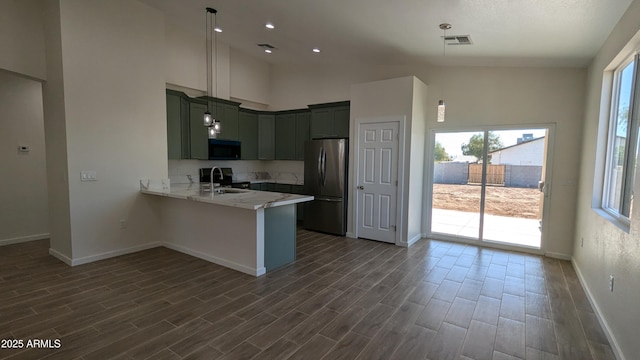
point(217, 260)
point(350, 235)
point(22, 239)
point(410, 242)
point(110, 254)
point(60, 256)
point(556, 255)
point(603, 323)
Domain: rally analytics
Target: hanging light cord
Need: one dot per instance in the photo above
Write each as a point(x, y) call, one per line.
point(215, 47)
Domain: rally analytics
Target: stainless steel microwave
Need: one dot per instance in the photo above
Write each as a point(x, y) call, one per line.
point(224, 149)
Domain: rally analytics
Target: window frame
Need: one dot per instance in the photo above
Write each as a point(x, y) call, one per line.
point(623, 213)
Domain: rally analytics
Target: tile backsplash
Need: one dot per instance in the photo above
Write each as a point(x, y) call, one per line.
point(291, 172)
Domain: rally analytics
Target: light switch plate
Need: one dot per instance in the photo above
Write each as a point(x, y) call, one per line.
point(88, 175)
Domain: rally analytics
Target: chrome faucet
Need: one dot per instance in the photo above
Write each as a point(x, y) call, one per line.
point(211, 176)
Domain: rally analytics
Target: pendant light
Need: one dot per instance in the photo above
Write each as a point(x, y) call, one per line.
point(213, 125)
point(441, 107)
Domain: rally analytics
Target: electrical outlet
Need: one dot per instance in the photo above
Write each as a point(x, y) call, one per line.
point(88, 175)
point(611, 283)
point(123, 223)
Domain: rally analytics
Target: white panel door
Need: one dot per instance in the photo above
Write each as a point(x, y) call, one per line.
point(377, 181)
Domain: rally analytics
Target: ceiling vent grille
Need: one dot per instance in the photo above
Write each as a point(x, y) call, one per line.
point(458, 40)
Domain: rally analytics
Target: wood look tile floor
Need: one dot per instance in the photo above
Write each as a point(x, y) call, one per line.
point(342, 299)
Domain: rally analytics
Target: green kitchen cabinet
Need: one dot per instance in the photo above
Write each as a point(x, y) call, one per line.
point(178, 144)
point(266, 136)
point(330, 120)
point(292, 130)
point(299, 189)
point(198, 138)
point(282, 188)
point(303, 120)
point(248, 134)
point(285, 136)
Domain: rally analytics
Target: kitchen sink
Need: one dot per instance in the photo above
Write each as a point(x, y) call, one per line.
point(229, 191)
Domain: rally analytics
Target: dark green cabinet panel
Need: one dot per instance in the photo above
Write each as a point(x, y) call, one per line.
point(321, 123)
point(302, 133)
point(330, 120)
point(248, 134)
point(341, 121)
point(228, 117)
point(299, 189)
point(283, 188)
point(285, 141)
point(177, 125)
point(266, 137)
point(279, 236)
point(199, 139)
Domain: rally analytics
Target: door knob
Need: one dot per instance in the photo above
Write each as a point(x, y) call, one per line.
point(360, 187)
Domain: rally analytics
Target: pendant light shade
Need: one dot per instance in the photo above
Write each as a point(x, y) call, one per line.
point(212, 124)
point(208, 119)
point(440, 111)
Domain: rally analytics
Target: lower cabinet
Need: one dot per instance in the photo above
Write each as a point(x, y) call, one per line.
point(283, 188)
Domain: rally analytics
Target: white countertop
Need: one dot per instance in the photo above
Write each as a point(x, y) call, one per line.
point(248, 199)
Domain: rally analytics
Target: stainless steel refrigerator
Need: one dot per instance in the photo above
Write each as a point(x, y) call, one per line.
point(325, 177)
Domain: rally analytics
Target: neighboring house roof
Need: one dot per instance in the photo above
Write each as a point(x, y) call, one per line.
point(512, 146)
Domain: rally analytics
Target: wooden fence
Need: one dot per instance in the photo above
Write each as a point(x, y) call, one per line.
point(495, 174)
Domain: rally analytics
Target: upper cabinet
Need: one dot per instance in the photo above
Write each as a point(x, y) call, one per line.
point(285, 136)
point(199, 138)
point(266, 136)
point(248, 133)
point(263, 135)
point(330, 120)
point(303, 122)
point(292, 130)
point(178, 144)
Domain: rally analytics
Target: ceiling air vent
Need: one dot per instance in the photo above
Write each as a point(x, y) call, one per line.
point(458, 40)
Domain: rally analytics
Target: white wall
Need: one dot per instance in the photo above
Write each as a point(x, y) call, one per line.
point(607, 249)
point(240, 77)
point(249, 78)
point(112, 118)
point(23, 199)
point(22, 38)
point(56, 137)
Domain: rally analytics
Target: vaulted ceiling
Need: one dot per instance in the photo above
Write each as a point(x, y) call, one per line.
point(384, 32)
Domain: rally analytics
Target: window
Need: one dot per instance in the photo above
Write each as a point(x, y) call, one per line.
point(623, 141)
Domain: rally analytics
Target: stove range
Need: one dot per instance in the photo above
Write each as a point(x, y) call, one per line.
point(227, 178)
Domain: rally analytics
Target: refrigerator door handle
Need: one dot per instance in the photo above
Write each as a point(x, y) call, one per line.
point(320, 165)
point(324, 167)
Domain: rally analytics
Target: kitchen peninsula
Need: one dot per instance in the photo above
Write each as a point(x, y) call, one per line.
point(245, 230)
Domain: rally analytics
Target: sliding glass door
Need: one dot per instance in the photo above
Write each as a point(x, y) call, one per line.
point(489, 185)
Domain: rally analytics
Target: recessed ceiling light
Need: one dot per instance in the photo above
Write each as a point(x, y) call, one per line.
point(269, 25)
point(268, 51)
point(217, 29)
point(316, 50)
